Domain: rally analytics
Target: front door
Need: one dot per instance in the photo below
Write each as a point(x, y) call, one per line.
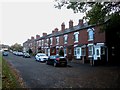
point(78, 53)
point(48, 52)
point(97, 53)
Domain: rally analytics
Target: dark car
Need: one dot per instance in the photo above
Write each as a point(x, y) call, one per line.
point(57, 60)
point(5, 53)
point(26, 55)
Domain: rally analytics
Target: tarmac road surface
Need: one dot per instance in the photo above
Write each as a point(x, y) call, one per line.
point(40, 75)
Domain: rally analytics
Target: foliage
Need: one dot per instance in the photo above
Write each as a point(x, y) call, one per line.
point(0, 70)
point(30, 51)
point(113, 26)
point(98, 11)
point(61, 53)
point(16, 47)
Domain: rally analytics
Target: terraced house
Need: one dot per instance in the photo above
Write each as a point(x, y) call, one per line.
point(80, 42)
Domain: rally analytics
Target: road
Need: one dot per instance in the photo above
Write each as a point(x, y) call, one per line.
point(40, 75)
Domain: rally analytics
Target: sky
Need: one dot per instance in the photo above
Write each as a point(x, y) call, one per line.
point(21, 19)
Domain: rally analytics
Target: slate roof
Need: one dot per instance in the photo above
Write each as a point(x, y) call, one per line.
point(69, 30)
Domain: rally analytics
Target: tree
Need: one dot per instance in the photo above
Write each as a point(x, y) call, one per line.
point(95, 12)
point(100, 12)
point(30, 51)
point(16, 47)
point(61, 53)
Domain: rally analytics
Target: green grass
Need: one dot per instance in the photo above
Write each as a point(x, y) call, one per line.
point(8, 77)
point(0, 70)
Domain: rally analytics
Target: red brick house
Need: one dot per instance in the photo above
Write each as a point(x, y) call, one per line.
point(81, 42)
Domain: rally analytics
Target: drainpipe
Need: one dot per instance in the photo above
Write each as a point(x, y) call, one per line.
point(93, 48)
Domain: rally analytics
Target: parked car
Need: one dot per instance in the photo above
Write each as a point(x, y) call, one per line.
point(42, 57)
point(26, 55)
point(56, 60)
point(20, 53)
point(5, 53)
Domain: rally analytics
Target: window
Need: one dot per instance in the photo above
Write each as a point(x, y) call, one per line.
point(47, 42)
point(97, 51)
point(78, 51)
point(90, 34)
point(90, 50)
point(50, 41)
point(42, 42)
point(65, 52)
point(83, 52)
point(65, 39)
point(76, 36)
point(75, 51)
point(57, 40)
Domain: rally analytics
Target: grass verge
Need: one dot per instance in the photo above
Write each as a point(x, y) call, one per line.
point(0, 70)
point(10, 78)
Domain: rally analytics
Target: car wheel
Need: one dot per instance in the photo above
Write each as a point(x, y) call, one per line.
point(46, 62)
point(65, 65)
point(55, 64)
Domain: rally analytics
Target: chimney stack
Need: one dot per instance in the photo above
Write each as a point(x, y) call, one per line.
point(80, 22)
point(56, 30)
point(32, 38)
point(37, 36)
point(63, 26)
point(70, 24)
point(53, 31)
point(44, 34)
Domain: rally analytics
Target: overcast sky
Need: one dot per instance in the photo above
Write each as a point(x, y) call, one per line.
point(21, 19)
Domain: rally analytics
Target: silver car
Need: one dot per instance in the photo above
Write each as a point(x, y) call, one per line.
point(42, 57)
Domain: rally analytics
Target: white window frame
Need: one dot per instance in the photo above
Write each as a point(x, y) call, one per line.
point(42, 42)
point(83, 51)
point(65, 52)
point(57, 40)
point(90, 50)
point(65, 37)
point(75, 51)
point(90, 34)
point(76, 37)
point(47, 41)
point(51, 40)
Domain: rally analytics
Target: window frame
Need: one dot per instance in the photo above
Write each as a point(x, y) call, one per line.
point(90, 34)
point(76, 37)
point(57, 40)
point(90, 45)
point(65, 39)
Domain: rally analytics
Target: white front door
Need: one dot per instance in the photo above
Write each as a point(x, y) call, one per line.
point(78, 52)
point(97, 53)
point(48, 52)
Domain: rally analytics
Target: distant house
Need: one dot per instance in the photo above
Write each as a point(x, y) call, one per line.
point(4, 47)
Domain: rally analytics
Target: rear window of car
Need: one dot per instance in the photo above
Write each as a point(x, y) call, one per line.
point(52, 57)
point(41, 55)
